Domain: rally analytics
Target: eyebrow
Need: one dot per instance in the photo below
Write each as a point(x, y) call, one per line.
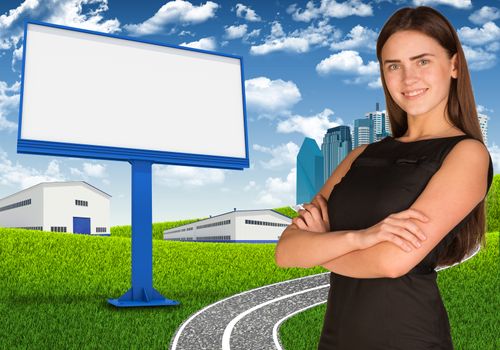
point(411, 58)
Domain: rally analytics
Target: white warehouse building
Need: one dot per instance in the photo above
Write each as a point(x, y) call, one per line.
point(73, 206)
point(244, 226)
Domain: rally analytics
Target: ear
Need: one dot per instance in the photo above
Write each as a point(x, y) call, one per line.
point(454, 66)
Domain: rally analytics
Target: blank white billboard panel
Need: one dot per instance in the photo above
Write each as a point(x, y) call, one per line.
point(118, 95)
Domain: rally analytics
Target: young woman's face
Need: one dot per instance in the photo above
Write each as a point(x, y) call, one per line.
point(407, 71)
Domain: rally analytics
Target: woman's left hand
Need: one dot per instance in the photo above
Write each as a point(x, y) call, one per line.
point(314, 217)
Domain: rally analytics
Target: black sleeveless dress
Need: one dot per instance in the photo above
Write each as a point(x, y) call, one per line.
point(405, 313)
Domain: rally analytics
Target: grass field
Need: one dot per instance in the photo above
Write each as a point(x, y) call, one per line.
point(55, 285)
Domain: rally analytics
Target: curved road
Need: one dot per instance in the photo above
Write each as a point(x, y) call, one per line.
point(250, 320)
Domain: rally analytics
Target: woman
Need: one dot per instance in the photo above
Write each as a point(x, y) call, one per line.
point(400, 207)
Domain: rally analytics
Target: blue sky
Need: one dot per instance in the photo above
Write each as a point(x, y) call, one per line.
point(309, 66)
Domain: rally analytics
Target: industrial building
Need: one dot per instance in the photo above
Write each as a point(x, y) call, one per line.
point(73, 206)
point(243, 226)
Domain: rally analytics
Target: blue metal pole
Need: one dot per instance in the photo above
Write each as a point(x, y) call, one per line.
point(142, 292)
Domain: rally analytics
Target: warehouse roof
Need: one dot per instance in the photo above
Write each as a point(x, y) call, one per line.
point(62, 183)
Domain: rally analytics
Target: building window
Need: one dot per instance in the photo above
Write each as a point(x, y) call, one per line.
point(100, 229)
point(58, 228)
point(264, 223)
point(16, 205)
point(34, 228)
point(214, 238)
point(81, 203)
point(218, 223)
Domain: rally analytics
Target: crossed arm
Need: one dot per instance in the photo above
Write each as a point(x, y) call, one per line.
point(451, 194)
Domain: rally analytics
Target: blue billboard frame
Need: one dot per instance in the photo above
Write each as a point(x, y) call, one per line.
point(142, 292)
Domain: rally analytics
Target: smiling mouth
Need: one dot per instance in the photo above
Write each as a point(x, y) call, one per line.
point(414, 93)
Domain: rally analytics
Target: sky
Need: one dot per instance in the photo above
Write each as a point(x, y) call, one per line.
point(309, 66)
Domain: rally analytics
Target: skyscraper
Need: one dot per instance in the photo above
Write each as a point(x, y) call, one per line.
point(381, 123)
point(363, 132)
point(337, 144)
point(483, 123)
point(309, 171)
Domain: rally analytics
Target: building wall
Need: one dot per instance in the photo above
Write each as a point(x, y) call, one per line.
point(265, 226)
point(262, 226)
point(25, 216)
point(60, 207)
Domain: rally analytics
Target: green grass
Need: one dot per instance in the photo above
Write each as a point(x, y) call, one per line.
point(157, 229)
point(54, 288)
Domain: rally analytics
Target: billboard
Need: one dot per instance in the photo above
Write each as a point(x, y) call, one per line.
point(96, 95)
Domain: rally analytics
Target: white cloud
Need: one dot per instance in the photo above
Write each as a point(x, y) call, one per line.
point(483, 109)
point(10, 33)
point(285, 154)
point(179, 11)
point(53, 168)
point(460, 4)
point(20, 176)
point(311, 12)
point(204, 44)
point(358, 37)
point(9, 104)
point(479, 36)
point(278, 192)
point(330, 8)
point(375, 84)
point(277, 30)
point(369, 81)
point(235, 32)
point(253, 33)
point(297, 45)
point(394, 2)
point(247, 39)
point(495, 46)
point(478, 59)
point(14, 14)
point(70, 13)
point(247, 13)
point(314, 126)
point(484, 14)
point(347, 61)
point(298, 41)
point(94, 170)
point(252, 186)
point(189, 177)
point(87, 14)
point(17, 55)
point(186, 32)
point(271, 96)
point(90, 170)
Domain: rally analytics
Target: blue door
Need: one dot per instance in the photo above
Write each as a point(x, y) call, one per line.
point(81, 225)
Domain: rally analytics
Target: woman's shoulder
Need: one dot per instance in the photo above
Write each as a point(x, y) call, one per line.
point(469, 147)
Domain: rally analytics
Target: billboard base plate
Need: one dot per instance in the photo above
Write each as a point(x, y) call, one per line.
point(142, 299)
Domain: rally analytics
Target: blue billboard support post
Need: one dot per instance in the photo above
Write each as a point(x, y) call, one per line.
point(142, 292)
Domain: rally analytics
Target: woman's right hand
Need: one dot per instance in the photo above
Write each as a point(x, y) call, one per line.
point(396, 228)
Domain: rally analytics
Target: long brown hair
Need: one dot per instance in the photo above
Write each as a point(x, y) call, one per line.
point(461, 109)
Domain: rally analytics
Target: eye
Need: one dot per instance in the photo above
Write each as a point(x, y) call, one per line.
point(391, 65)
point(424, 60)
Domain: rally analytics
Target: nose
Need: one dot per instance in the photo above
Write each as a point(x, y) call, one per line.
point(410, 75)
